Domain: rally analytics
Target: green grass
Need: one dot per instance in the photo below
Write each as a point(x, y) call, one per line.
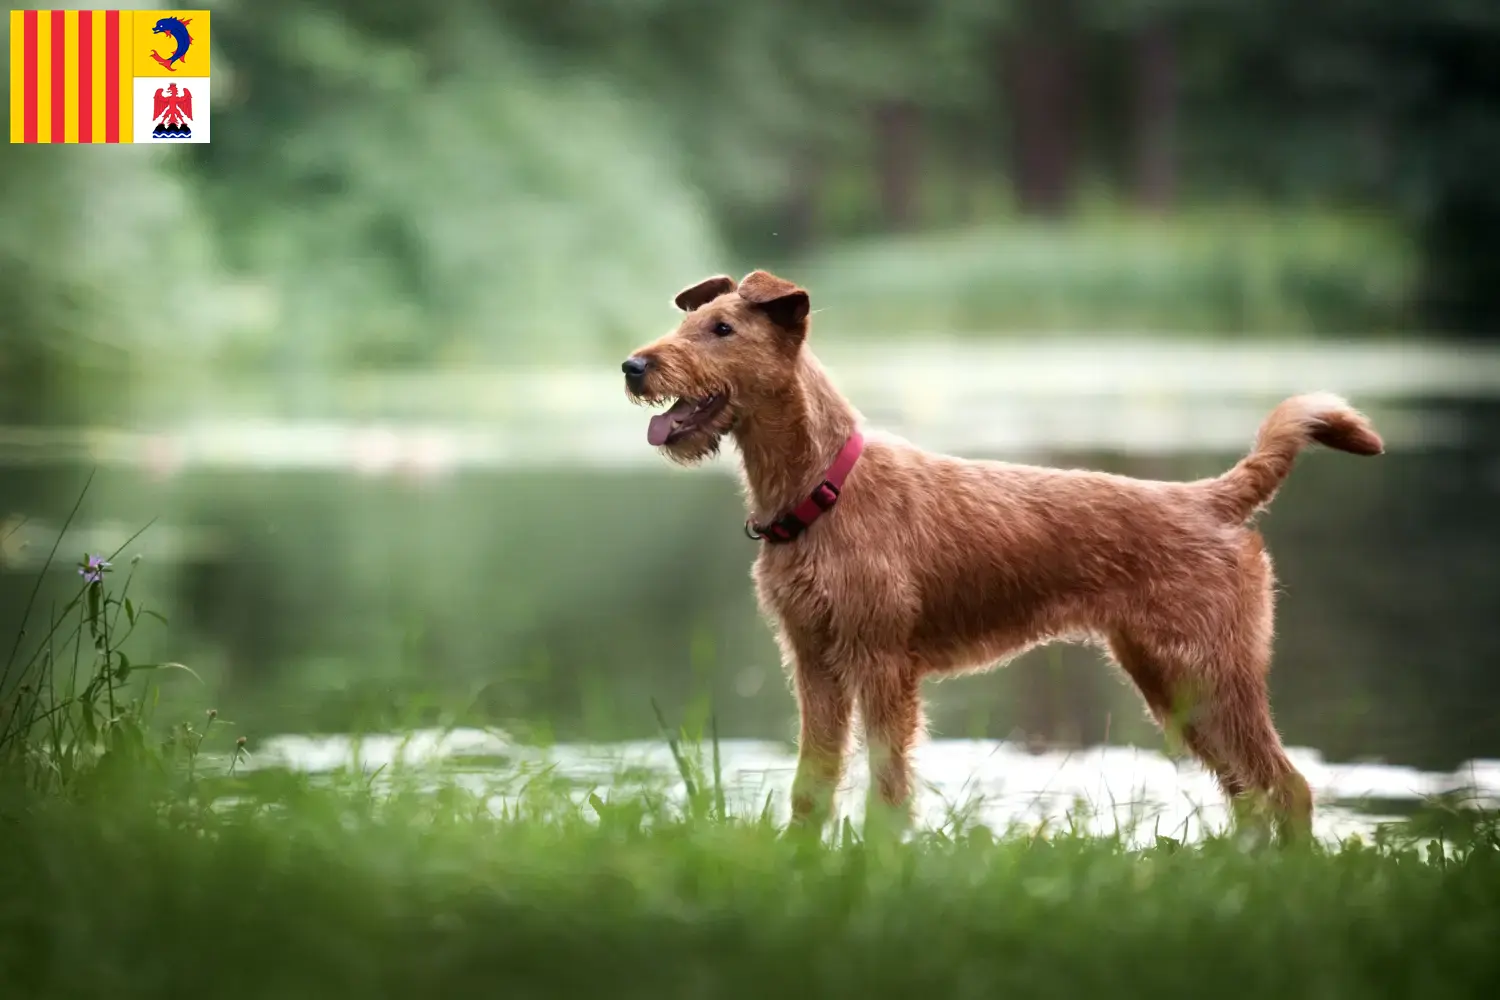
point(137, 861)
point(304, 892)
point(1222, 272)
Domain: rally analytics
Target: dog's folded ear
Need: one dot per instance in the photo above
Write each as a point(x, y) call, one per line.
point(703, 292)
point(785, 303)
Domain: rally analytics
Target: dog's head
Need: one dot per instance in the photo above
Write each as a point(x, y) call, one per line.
point(736, 345)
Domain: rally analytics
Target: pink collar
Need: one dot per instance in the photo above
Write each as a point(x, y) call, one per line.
point(789, 526)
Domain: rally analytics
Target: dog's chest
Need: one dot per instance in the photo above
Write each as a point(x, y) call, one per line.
point(793, 585)
point(823, 588)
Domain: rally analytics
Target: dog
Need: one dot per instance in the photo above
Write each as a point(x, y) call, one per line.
point(882, 564)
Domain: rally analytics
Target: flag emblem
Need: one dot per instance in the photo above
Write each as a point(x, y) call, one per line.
point(177, 29)
point(173, 113)
point(100, 76)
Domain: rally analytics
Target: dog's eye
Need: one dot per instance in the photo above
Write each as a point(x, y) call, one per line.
point(723, 329)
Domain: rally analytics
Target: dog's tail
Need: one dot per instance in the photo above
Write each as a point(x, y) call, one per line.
point(1319, 416)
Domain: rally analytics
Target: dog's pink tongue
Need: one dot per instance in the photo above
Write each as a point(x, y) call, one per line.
point(663, 424)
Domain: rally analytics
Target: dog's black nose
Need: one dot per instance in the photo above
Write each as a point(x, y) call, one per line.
point(634, 367)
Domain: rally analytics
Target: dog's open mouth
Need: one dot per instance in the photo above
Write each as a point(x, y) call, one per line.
point(683, 417)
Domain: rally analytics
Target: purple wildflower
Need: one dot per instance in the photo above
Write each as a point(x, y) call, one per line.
point(93, 568)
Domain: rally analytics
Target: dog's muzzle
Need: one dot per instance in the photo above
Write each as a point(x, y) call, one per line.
point(635, 373)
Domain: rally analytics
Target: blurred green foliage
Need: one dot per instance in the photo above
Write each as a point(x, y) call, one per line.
point(394, 184)
point(439, 196)
point(1227, 272)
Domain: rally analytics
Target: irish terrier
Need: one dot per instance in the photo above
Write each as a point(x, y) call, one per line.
point(882, 564)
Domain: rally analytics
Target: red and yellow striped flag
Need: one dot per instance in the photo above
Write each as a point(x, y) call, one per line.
point(109, 76)
point(71, 74)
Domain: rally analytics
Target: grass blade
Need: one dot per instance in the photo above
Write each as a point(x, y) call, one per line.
point(682, 764)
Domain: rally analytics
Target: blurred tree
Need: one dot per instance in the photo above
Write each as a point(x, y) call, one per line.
point(427, 190)
point(397, 184)
point(798, 122)
point(1442, 67)
point(771, 104)
point(92, 279)
point(1389, 105)
point(1155, 121)
point(1040, 74)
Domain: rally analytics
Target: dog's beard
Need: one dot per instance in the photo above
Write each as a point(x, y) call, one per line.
point(691, 427)
point(699, 443)
point(695, 446)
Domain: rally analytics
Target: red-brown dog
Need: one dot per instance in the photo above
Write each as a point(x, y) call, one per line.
point(882, 563)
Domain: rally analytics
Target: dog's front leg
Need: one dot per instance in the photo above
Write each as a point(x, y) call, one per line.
point(826, 706)
point(890, 703)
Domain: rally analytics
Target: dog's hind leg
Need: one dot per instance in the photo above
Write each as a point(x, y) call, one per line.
point(1237, 726)
point(890, 706)
point(1153, 675)
point(1221, 710)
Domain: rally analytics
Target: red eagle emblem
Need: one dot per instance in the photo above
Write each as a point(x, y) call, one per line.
point(172, 110)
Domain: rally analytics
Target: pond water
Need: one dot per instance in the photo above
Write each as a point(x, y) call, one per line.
point(1002, 785)
point(502, 548)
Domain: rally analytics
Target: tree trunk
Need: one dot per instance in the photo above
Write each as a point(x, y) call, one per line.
point(798, 228)
point(1039, 74)
point(1155, 132)
point(898, 128)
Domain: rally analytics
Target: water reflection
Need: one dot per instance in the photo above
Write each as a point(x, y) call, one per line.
point(502, 547)
point(1104, 789)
